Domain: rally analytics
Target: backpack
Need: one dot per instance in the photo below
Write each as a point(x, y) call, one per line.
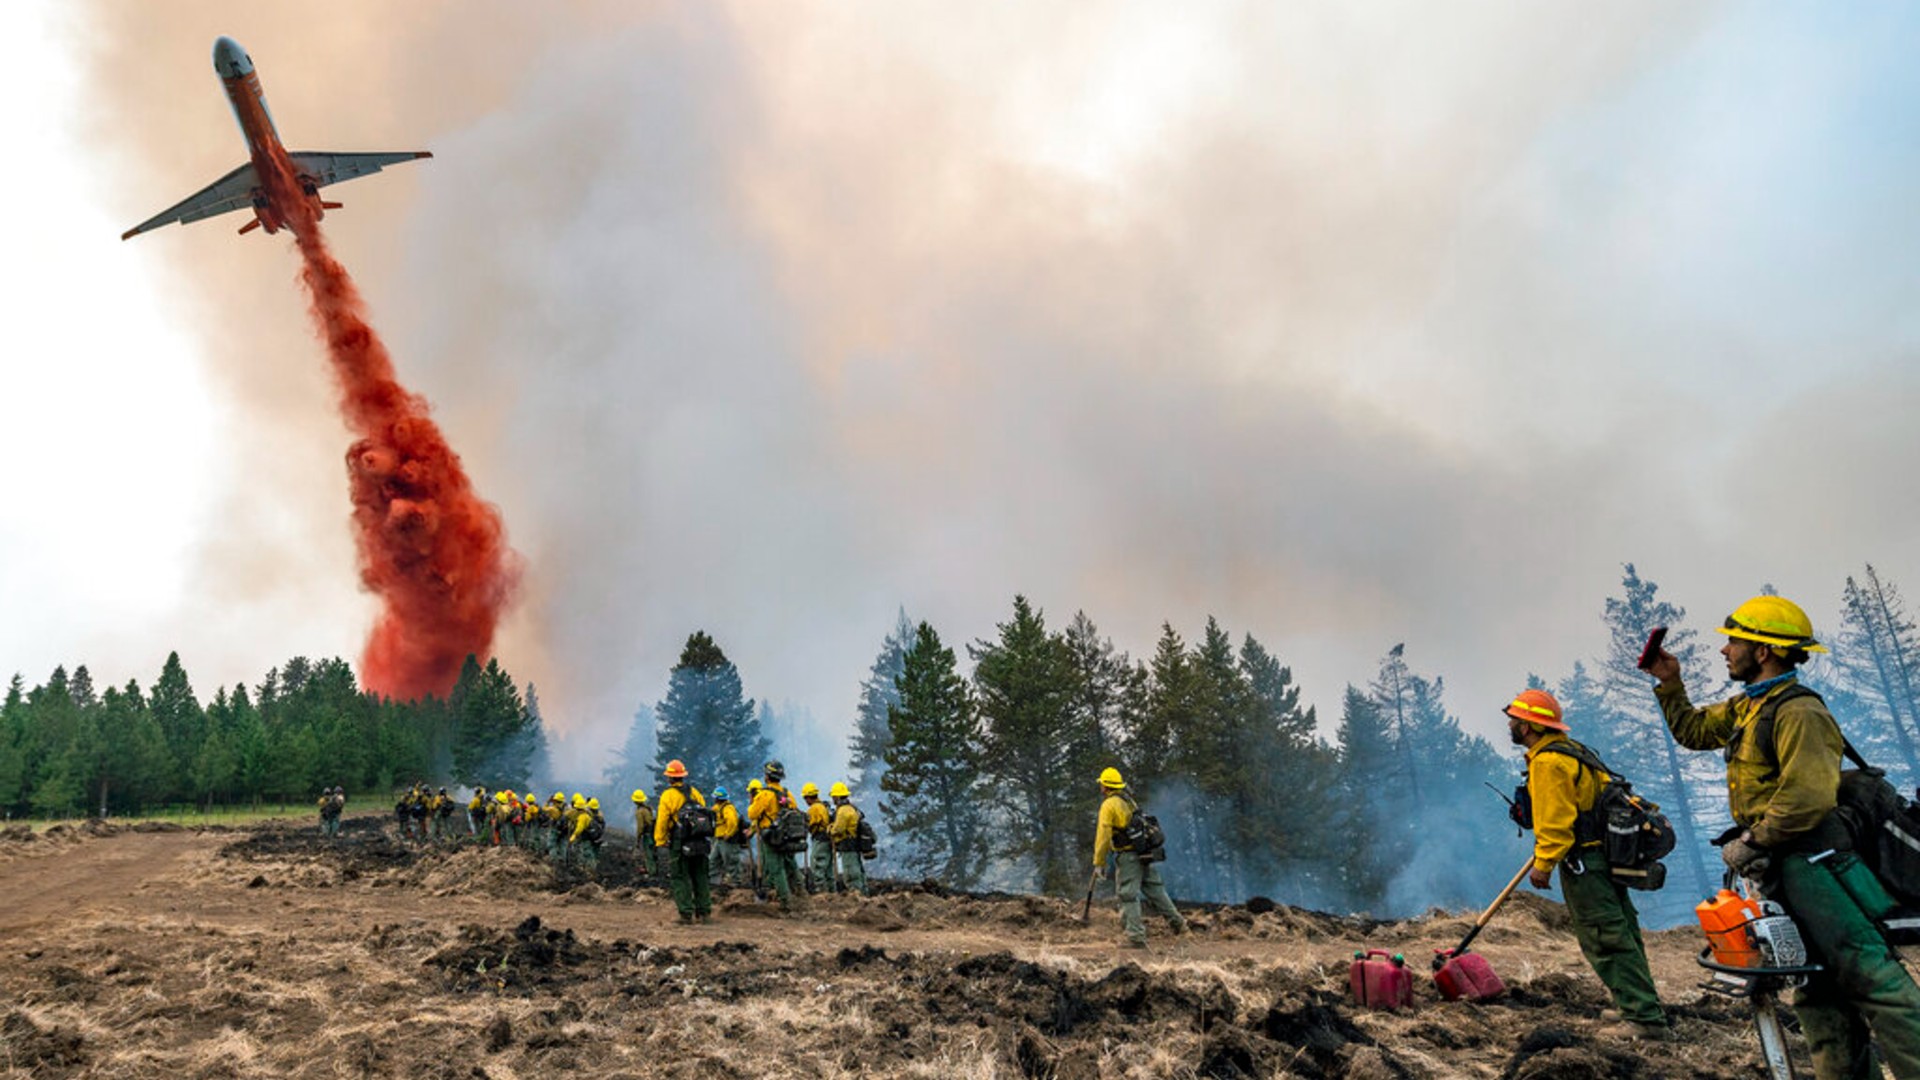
point(597, 831)
point(1632, 833)
point(788, 836)
point(865, 843)
point(1883, 827)
point(693, 830)
point(1142, 835)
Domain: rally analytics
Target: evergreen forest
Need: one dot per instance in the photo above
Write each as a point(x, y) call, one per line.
point(978, 760)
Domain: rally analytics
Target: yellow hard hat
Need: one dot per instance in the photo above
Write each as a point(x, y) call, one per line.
point(1110, 778)
point(839, 791)
point(810, 789)
point(1772, 620)
point(754, 785)
point(501, 798)
point(579, 801)
point(558, 796)
point(593, 804)
point(639, 796)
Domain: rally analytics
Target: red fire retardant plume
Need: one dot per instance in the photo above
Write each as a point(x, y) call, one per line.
point(433, 551)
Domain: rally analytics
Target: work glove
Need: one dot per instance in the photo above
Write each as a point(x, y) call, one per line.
point(1745, 858)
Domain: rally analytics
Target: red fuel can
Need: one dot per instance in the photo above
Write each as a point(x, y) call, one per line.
point(1380, 980)
point(1466, 975)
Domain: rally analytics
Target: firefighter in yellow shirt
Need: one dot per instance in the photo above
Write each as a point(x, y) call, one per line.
point(643, 833)
point(779, 870)
point(727, 867)
point(845, 837)
point(1562, 788)
point(1136, 877)
point(820, 859)
point(686, 857)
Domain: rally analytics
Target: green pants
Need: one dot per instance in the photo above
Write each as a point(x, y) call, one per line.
point(1608, 930)
point(688, 875)
point(781, 872)
point(1138, 879)
point(644, 849)
point(1836, 902)
point(853, 872)
point(822, 864)
point(727, 862)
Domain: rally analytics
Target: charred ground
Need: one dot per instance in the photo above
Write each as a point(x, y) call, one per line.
point(154, 951)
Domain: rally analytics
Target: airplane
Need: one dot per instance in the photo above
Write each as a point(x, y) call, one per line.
point(243, 188)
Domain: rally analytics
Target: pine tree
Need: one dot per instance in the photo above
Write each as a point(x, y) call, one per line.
point(1293, 772)
point(491, 742)
point(633, 766)
point(1158, 704)
point(879, 693)
point(706, 721)
point(1366, 758)
point(1039, 749)
point(1635, 740)
point(1875, 654)
point(932, 790)
point(174, 708)
point(13, 748)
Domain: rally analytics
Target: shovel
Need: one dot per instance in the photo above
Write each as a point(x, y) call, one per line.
point(1461, 974)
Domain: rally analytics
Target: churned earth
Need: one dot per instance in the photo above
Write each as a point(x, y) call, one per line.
point(156, 951)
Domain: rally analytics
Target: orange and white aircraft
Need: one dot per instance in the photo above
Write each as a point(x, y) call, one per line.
point(245, 187)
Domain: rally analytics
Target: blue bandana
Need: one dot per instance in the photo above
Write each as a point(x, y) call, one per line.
point(1761, 689)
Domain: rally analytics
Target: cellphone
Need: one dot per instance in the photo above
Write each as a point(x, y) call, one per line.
point(1654, 640)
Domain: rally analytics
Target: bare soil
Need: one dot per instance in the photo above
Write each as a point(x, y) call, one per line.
point(158, 951)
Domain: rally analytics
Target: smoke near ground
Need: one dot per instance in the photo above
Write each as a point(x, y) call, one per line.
point(1346, 326)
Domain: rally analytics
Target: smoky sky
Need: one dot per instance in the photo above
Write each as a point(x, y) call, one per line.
point(1348, 325)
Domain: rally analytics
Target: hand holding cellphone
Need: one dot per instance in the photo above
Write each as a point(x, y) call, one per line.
point(1652, 650)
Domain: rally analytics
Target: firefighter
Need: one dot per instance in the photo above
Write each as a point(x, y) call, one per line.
point(778, 869)
point(443, 815)
point(643, 833)
point(1135, 877)
point(477, 813)
point(819, 823)
point(1562, 791)
point(844, 837)
point(726, 839)
point(1783, 782)
point(332, 802)
point(686, 867)
point(552, 824)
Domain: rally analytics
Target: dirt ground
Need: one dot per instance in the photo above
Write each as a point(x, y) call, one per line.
point(157, 951)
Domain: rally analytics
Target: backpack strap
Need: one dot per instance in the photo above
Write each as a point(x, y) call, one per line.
point(1762, 729)
point(1587, 828)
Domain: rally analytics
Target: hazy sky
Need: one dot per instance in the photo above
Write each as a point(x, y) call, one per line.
point(1348, 324)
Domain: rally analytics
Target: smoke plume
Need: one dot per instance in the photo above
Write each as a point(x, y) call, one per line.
point(429, 547)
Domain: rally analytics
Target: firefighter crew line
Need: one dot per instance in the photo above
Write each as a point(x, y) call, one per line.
point(1783, 752)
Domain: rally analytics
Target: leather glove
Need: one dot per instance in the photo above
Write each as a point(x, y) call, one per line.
point(1744, 858)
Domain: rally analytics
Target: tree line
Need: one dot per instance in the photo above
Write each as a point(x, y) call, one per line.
point(981, 772)
point(68, 748)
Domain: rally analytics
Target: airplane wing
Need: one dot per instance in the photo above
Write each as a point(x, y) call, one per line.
point(326, 168)
point(231, 192)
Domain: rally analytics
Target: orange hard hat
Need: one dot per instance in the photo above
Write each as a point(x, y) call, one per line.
point(1537, 707)
point(676, 770)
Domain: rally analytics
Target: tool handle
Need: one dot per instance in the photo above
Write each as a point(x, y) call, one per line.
point(1481, 923)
